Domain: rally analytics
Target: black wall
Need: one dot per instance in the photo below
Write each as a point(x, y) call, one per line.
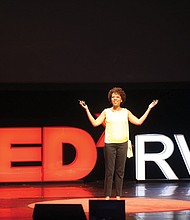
point(79, 41)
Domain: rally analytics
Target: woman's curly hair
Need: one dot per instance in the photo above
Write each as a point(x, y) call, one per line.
point(119, 91)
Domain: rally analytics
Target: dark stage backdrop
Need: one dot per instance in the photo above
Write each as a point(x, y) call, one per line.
point(56, 52)
point(57, 105)
point(97, 41)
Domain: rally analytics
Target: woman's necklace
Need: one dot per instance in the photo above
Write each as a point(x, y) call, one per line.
point(116, 109)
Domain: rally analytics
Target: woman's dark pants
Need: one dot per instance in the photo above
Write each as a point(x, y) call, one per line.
point(115, 155)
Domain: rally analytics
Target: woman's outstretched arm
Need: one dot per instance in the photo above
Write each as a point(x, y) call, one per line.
point(95, 122)
point(139, 121)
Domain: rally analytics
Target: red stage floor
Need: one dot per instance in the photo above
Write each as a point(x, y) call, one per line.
point(149, 200)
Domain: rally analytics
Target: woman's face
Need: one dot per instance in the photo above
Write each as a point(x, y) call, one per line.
point(116, 99)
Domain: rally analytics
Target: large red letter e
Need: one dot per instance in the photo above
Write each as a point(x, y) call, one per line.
point(10, 154)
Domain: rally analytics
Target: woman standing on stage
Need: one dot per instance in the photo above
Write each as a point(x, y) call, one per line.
point(116, 119)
